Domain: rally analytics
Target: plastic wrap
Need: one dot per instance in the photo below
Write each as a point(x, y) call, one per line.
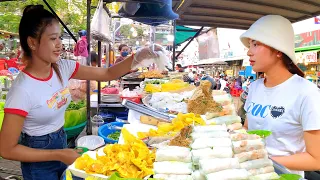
point(170, 167)
point(229, 174)
point(173, 153)
point(208, 166)
point(148, 55)
point(78, 89)
point(211, 142)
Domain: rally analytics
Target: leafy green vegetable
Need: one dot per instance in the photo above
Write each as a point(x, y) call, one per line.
point(290, 177)
point(114, 136)
point(261, 133)
point(155, 82)
point(116, 176)
point(76, 106)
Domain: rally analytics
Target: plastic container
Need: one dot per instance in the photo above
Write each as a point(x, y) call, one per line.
point(107, 129)
point(111, 116)
point(96, 122)
point(133, 99)
point(75, 131)
point(91, 142)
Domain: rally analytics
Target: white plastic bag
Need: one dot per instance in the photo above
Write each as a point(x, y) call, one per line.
point(100, 25)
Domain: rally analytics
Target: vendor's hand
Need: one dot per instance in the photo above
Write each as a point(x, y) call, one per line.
point(68, 156)
point(146, 53)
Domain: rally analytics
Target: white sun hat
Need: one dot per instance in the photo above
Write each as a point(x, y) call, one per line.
point(274, 31)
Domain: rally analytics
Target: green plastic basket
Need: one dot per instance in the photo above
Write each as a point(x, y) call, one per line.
point(75, 130)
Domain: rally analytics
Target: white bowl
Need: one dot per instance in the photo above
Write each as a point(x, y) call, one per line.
point(91, 142)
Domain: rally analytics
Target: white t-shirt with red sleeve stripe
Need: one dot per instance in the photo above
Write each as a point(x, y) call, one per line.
point(41, 101)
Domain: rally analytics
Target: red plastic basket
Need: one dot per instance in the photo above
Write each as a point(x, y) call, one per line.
point(133, 99)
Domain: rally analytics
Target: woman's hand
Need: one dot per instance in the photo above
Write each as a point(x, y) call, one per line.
point(68, 156)
point(146, 53)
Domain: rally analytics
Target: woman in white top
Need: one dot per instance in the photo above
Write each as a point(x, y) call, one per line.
point(39, 96)
point(283, 102)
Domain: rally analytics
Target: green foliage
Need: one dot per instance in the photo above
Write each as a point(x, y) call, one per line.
point(125, 31)
point(73, 13)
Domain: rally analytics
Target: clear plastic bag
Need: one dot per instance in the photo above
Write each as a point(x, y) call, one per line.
point(78, 89)
point(154, 54)
point(100, 26)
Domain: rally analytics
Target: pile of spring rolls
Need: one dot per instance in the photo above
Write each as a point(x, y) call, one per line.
point(250, 152)
point(217, 152)
point(173, 163)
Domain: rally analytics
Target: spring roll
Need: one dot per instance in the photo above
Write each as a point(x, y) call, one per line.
point(247, 145)
point(172, 177)
point(263, 170)
point(256, 164)
point(267, 176)
point(210, 128)
point(235, 126)
point(171, 167)
point(229, 174)
point(208, 153)
point(211, 142)
point(173, 153)
point(214, 134)
point(223, 99)
point(252, 155)
point(229, 119)
point(197, 175)
point(208, 166)
point(241, 136)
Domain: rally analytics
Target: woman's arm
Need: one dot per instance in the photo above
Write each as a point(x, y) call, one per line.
point(119, 69)
point(307, 161)
point(10, 149)
point(104, 74)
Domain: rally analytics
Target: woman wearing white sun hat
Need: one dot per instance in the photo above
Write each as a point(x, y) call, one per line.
point(283, 102)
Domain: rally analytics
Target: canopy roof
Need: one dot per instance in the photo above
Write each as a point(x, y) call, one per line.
point(241, 14)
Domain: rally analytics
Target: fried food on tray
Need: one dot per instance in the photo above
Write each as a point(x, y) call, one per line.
point(151, 74)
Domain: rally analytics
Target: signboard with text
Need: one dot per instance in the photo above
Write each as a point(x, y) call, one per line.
point(307, 39)
point(307, 57)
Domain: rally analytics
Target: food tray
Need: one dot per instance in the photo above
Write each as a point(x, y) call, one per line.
point(82, 174)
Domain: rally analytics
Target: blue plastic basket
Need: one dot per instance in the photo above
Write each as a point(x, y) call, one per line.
point(107, 129)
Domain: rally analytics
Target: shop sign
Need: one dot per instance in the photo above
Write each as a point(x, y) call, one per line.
point(307, 39)
point(307, 57)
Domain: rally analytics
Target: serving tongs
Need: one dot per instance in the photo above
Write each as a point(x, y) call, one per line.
point(147, 111)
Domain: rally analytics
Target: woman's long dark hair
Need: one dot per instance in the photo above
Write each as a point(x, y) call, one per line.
point(292, 68)
point(33, 23)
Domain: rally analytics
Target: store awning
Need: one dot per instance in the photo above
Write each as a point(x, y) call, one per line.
point(241, 14)
point(183, 34)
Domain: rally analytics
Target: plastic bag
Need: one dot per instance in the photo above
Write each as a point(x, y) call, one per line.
point(78, 89)
point(154, 54)
point(100, 26)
